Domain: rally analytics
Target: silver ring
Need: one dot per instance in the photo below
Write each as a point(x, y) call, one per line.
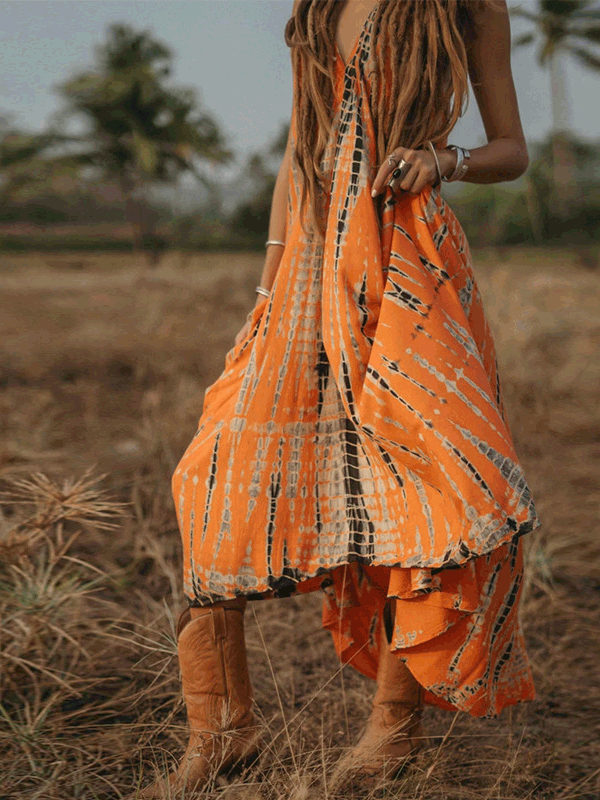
point(403, 163)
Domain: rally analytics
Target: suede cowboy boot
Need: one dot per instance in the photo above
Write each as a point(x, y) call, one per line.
point(218, 697)
point(393, 733)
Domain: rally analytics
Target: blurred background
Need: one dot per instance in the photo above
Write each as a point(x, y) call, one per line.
point(160, 126)
point(139, 146)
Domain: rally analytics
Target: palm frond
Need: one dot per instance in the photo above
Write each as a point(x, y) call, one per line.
point(587, 58)
point(518, 11)
point(591, 34)
point(523, 39)
point(563, 8)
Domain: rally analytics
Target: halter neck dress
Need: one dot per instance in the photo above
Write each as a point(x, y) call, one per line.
point(357, 443)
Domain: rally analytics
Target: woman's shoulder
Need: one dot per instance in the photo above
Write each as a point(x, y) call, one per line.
point(483, 21)
point(485, 12)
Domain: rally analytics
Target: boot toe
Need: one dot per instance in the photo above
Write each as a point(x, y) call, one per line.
point(382, 753)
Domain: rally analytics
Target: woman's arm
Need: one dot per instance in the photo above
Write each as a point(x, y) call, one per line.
point(277, 221)
point(277, 230)
point(505, 156)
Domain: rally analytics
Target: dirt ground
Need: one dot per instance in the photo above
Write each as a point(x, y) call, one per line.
point(102, 373)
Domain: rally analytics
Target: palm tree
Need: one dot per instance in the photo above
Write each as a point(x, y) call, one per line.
point(563, 26)
point(140, 131)
point(23, 168)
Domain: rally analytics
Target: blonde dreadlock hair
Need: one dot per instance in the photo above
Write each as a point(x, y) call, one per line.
point(424, 41)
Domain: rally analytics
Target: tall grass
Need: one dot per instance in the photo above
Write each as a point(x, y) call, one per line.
point(102, 374)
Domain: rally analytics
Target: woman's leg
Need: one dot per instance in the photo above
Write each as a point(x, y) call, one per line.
point(217, 693)
point(393, 733)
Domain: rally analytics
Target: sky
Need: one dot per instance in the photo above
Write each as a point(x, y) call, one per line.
point(234, 54)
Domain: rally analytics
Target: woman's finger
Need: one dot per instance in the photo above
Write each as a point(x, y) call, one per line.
point(242, 332)
point(422, 171)
point(385, 170)
point(415, 180)
point(405, 177)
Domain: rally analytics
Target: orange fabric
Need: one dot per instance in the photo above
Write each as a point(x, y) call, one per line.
point(357, 442)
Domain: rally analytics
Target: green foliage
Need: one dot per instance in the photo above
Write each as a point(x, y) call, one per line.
point(249, 221)
point(144, 133)
point(569, 25)
point(251, 218)
point(495, 215)
point(141, 133)
point(141, 130)
point(561, 27)
point(25, 171)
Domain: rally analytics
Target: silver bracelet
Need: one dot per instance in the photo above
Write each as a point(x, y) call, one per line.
point(458, 165)
point(464, 166)
point(437, 163)
point(461, 166)
point(274, 241)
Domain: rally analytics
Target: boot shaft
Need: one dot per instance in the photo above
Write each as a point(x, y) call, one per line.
point(395, 682)
point(214, 668)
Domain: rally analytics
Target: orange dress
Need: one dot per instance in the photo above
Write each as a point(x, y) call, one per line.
point(357, 443)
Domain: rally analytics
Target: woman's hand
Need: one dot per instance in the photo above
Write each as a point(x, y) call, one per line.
point(422, 170)
point(245, 329)
point(243, 332)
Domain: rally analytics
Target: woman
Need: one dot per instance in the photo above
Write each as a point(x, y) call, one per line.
point(356, 442)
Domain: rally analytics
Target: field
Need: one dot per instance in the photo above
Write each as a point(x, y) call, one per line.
point(102, 373)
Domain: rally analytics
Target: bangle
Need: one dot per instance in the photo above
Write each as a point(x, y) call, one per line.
point(274, 241)
point(437, 163)
point(457, 166)
point(464, 166)
point(461, 166)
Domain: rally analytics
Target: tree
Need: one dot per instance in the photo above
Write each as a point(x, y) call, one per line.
point(563, 26)
point(23, 169)
point(141, 132)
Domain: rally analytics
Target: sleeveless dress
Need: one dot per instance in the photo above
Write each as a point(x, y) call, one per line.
point(356, 442)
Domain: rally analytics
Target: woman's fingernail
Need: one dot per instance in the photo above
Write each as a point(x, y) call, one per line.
point(373, 192)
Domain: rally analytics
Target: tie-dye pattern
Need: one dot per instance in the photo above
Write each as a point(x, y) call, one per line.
point(357, 441)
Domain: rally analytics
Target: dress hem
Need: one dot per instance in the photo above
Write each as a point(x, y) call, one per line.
point(283, 586)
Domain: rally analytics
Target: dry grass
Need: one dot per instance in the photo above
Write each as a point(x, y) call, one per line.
point(102, 374)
